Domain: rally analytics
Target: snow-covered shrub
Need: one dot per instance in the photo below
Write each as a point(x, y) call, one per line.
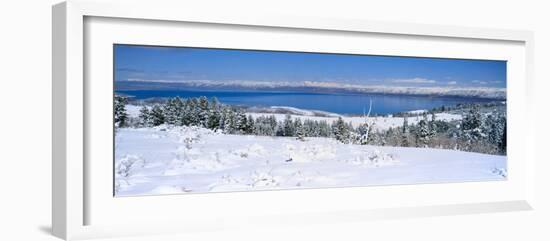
point(125, 166)
point(373, 158)
point(263, 179)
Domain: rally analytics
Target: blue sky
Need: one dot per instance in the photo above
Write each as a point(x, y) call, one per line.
point(147, 63)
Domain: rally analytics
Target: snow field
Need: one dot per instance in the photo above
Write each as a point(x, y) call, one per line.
point(167, 160)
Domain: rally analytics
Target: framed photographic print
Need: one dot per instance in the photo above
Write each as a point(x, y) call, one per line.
point(191, 119)
point(176, 121)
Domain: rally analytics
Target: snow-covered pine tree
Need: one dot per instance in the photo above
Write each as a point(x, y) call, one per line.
point(173, 110)
point(392, 136)
point(300, 132)
point(214, 116)
point(203, 111)
point(120, 115)
point(249, 128)
point(363, 131)
point(373, 137)
point(288, 126)
point(194, 112)
point(184, 115)
point(377, 138)
point(280, 130)
point(189, 116)
point(502, 145)
point(433, 124)
point(240, 122)
point(423, 133)
point(228, 119)
point(471, 127)
point(340, 131)
point(157, 115)
point(272, 120)
point(405, 132)
point(261, 126)
point(324, 129)
point(318, 129)
point(494, 128)
point(144, 117)
point(310, 128)
point(433, 129)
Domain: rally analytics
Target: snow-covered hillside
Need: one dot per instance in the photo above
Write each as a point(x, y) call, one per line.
point(164, 160)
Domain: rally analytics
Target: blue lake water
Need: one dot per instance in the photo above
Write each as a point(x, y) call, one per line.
point(337, 103)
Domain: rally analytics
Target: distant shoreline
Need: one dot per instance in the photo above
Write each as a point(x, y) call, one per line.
point(317, 88)
point(319, 104)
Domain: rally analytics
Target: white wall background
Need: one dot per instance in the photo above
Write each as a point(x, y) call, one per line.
point(25, 119)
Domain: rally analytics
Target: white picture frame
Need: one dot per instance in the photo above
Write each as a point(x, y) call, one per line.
point(73, 193)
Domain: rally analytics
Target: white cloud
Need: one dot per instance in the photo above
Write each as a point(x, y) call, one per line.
point(451, 83)
point(415, 81)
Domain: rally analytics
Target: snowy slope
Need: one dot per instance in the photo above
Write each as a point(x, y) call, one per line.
point(297, 111)
point(165, 160)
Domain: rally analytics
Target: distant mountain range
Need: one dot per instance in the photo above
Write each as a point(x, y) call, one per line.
point(316, 87)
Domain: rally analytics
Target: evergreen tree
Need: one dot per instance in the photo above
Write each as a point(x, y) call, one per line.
point(145, 117)
point(173, 110)
point(311, 128)
point(189, 116)
point(300, 132)
point(324, 129)
point(502, 145)
point(288, 126)
point(423, 134)
point(280, 129)
point(249, 127)
point(340, 131)
point(194, 112)
point(203, 111)
point(405, 132)
point(240, 122)
point(471, 127)
point(432, 129)
point(494, 129)
point(156, 116)
point(120, 115)
point(272, 125)
point(363, 131)
point(392, 136)
point(262, 126)
point(214, 115)
point(377, 138)
point(228, 121)
point(185, 117)
point(433, 125)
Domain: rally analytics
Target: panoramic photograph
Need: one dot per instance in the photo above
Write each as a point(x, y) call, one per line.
point(204, 120)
